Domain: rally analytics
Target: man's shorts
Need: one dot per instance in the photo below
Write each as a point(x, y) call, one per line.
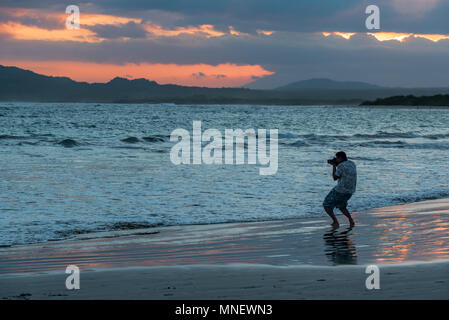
point(336, 199)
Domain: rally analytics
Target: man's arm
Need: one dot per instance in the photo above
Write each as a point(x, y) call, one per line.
point(334, 170)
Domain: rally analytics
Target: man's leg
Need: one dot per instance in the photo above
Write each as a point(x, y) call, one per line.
point(348, 215)
point(331, 214)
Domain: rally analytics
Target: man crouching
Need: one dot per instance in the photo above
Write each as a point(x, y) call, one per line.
point(345, 172)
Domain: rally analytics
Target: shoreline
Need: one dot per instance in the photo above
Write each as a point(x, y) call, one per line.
point(375, 230)
point(288, 259)
point(323, 104)
point(105, 234)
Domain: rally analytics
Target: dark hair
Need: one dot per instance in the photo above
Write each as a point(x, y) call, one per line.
point(342, 155)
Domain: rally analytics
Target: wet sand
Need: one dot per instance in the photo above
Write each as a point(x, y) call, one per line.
point(289, 259)
point(415, 281)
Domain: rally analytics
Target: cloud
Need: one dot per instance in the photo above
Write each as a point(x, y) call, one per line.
point(285, 37)
point(198, 75)
point(414, 7)
point(25, 32)
point(407, 16)
point(130, 30)
point(43, 25)
point(387, 36)
point(205, 30)
point(292, 56)
point(32, 17)
point(36, 24)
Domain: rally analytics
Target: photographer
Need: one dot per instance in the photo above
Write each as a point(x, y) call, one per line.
point(345, 172)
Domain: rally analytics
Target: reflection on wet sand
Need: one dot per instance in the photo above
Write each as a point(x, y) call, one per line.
point(415, 232)
point(397, 234)
point(339, 249)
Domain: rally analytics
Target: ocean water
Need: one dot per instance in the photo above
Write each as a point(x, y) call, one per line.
point(69, 168)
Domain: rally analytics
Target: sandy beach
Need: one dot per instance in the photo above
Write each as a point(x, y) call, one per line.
point(412, 281)
point(288, 259)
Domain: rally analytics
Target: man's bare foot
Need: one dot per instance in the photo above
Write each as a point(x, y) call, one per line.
point(351, 223)
point(335, 224)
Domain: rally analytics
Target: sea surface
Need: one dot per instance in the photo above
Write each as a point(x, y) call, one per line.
point(74, 168)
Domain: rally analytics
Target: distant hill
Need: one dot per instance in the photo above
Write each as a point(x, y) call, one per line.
point(410, 100)
point(22, 85)
point(328, 84)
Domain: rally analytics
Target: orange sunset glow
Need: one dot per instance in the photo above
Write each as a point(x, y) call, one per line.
point(221, 75)
point(386, 36)
point(227, 75)
point(21, 31)
point(206, 30)
point(383, 36)
point(24, 32)
point(346, 35)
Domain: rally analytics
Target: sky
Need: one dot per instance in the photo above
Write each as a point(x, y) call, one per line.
point(255, 43)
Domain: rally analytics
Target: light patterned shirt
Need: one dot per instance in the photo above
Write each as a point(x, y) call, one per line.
point(348, 177)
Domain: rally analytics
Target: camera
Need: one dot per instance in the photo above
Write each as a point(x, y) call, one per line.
point(332, 161)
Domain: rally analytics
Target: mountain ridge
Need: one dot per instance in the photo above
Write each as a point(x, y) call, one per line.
point(325, 83)
point(17, 84)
